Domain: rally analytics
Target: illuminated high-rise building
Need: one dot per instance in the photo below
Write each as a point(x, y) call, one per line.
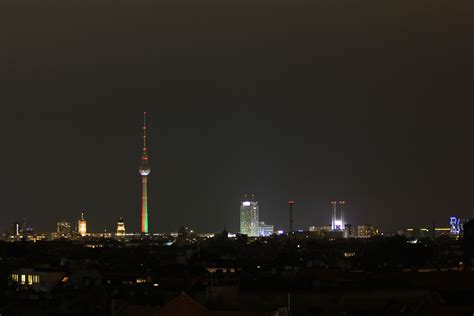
point(249, 223)
point(82, 226)
point(120, 228)
point(338, 223)
point(144, 171)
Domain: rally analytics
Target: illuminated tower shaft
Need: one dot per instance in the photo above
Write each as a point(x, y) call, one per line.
point(144, 172)
point(144, 204)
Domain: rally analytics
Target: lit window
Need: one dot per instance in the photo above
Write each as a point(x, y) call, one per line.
point(23, 279)
point(141, 280)
point(30, 279)
point(15, 277)
point(36, 279)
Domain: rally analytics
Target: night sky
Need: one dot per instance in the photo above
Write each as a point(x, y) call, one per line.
point(368, 101)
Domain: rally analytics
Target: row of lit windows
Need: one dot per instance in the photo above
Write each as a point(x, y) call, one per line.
point(25, 279)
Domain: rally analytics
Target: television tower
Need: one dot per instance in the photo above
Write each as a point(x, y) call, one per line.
point(144, 171)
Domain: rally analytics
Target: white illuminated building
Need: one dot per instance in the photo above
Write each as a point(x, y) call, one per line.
point(249, 223)
point(265, 230)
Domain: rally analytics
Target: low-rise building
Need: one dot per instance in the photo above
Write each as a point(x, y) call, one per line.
point(38, 280)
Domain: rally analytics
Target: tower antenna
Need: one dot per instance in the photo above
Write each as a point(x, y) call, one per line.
point(144, 135)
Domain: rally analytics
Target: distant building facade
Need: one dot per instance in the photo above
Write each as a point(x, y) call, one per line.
point(442, 231)
point(324, 228)
point(120, 228)
point(456, 224)
point(417, 232)
point(265, 230)
point(349, 231)
point(320, 231)
point(367, 231)
point(185, 232)
point(38, 280)
point(63, 229)
point(423, 232)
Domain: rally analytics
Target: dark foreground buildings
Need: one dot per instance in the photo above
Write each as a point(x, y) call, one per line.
point(191, 275)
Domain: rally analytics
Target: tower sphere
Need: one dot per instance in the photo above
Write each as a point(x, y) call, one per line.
point(145, 168)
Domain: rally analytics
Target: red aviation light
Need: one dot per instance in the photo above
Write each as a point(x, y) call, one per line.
point(291, 202)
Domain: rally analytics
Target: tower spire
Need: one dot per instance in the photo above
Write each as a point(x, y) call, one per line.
point(145, 150)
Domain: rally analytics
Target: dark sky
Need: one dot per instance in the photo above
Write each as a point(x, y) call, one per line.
point(364, 100)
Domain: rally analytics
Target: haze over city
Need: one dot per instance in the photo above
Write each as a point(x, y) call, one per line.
point(310, 102)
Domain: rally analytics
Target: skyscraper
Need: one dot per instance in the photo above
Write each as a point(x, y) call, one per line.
point(249, 223)
point(144, 171)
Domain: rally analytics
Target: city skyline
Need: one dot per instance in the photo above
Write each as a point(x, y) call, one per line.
point(145, 170)
point(312, 208)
